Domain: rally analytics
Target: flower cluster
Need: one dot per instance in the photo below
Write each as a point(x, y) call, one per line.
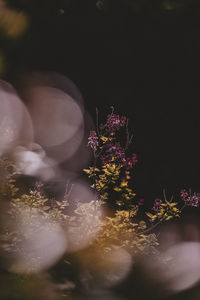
point(93, 140)
point(116, 164)
point(84, 223)
point(164, 211)
point(190, 200)
point(114, 122)
point(131, 161)
point(157, 204)
point(113, 150)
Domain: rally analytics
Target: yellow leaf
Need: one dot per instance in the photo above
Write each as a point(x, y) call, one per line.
point(152, 217)
point(117, 189)
point(45, 207)
point(124, 183)
point(119, 203)
point(104, 138)
point(87, 171)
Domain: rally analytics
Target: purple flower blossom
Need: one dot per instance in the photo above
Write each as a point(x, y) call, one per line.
point(157, 204)
point(114, 122)
point(190, 200)
point(106, 159)
point(141, 202)
point(194, 200)
point(113, 150)
point(184, 195)
point(116, 150)
point(131, 161)
point(93, 140)
point(39, 187)
point(123, 121)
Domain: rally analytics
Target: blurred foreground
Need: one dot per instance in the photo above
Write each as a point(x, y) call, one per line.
point(59, 237)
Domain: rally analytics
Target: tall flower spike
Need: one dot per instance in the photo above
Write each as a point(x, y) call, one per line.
point(114, 122)
point(93, 140)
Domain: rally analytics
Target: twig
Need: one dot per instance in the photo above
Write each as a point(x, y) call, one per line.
point(128, 138)
point(164, 194)
point(97, 120)
point(151, 228)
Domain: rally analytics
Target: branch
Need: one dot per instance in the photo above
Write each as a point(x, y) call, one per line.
point(151, 228)
point(97, 120)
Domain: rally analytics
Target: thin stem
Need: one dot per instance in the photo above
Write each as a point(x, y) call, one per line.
point(128, 138)
point(183, 207)
point(127, 135)
point(151, 228)
point(97, 120)
point(164, 194)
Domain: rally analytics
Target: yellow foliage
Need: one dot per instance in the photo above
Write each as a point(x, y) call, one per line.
point(105, 139)
point(12, 23)
point(167, 211)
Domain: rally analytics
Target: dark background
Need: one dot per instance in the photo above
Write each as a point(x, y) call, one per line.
point(144, 61)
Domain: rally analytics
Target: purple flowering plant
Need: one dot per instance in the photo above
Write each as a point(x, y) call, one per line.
point(112, 163)
point(189, 199)
point(111, 176)
point(112, 170)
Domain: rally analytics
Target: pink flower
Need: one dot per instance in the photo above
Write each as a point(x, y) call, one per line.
point(190, 200)
point(113, 150)
point(114, 122)
point(93, 140)
point(131, 161)
point(123, 121)
point(157, 204)
point(184, 194)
